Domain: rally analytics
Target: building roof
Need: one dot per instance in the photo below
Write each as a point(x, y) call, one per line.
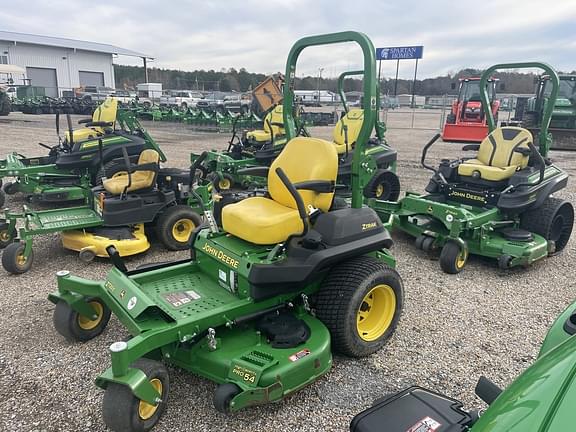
point(67, 43)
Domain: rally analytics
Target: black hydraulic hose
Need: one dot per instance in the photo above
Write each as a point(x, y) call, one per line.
point(425, 151)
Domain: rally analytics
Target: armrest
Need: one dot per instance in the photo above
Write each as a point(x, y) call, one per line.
point(320, 186)
point(281, 125)
point(471, 147)
point(259, 171)
point(523, 151)
point(83, 121)
point(99, 124)
point(299, 202)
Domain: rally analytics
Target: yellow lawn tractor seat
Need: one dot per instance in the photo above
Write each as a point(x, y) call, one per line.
point(272, 220)
point(353, 120)
point(142, 178)
point(273, 121)
point(105, 112)
point(497, 158)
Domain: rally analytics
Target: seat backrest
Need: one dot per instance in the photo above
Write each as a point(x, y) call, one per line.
point(353, 119)
point(145, 179)
point(497, 149)
point(274, 116)
point(106, 111)
point(304, 159)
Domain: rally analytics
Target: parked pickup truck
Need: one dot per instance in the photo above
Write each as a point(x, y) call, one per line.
point(181, 98)
point(94, 93)
point(238, 103)
point(213, 101)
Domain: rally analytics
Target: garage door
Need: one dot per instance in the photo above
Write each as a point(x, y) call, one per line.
point(91, 79)
point(43, 77)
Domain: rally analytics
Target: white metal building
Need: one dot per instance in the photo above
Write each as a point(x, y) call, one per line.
point(60, 64)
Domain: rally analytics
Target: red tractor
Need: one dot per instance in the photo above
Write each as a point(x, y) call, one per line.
point(466, 121)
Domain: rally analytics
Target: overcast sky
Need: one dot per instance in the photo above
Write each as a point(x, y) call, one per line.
point(257, 35)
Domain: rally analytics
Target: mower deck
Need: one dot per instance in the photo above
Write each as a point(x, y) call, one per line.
point(479, 228)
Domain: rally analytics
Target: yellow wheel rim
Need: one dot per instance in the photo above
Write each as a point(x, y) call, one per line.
point(146, 410)
point(224, 183)
point(182, 230)
point(86, 323)
point(4, 236)
point(21, 260)
point(461, 258)
point(376, 312)
point(379, 191)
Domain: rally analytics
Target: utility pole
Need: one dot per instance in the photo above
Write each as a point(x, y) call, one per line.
point(318, 84)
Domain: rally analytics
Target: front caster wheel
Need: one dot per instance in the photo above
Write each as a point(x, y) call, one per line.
point(453, 257)
point(504, 262)
point(223, 396)
point(124, 412)
point(13, 259)
point(76, 327)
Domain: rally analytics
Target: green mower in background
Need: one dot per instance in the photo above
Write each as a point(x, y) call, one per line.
point(498, 204)
point(73, 165)
point(118, 213)
point(232, 168)
point(266, 295)
point(541, 399)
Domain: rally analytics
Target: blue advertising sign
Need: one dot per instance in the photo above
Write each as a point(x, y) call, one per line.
point(399, 53)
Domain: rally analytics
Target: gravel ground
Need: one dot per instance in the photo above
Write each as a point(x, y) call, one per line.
point(454, 328)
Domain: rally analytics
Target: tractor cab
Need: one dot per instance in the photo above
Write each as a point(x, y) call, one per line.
point(564, 110)
point(467, 120)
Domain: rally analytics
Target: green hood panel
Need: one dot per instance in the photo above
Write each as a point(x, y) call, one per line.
point(542, 399)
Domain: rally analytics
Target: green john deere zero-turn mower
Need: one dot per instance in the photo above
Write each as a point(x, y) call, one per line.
point(541, 399)
point(498, 204)
point(113, 214)
point(264, 297)
point(74, 164)
point(377, 179)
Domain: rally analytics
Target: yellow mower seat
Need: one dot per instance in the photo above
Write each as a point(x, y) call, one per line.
point(272, 220)
point(496, 159)
point(353, 120)
point(140, 179)
point(271, 121)
point(105, 112)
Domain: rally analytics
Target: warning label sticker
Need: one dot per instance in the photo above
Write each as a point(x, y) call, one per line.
point(181, 298)
point(427, 424)
point(300, 354)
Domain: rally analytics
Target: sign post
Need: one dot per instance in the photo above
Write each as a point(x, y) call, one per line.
point(401, 53)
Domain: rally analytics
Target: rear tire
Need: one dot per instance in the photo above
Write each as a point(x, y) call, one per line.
point(360, 302)
point(78, 328)
point(13, 259)
point(124, 412)
point(553, 221)
point(384, 185)
point(175, 225)
point(453, 257)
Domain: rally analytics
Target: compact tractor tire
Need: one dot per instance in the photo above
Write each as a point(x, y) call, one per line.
point(78, 328)
point(223, 396)
point(10, 188)
point(360, 302)
point(175, 225)
point(124, 412)
point(453, 257)
point(384, 185)
point(13, 260)
point(553, 220)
